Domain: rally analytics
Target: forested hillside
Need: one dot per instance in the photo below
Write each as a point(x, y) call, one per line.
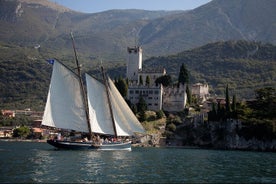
point(244, 66)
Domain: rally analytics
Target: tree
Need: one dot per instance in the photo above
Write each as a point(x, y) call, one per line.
point(234, 103)
point(165, 80)
point(159, 114)
point(21, 132)
point(121, 86)
point(141, 80)
point(183, 77)
point(147, 80)
point(141, 105)
point(266, 102)
point(234, 107)
point(189, 95)
point(227, 99)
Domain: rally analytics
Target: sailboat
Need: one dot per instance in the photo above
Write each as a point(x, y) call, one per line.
point(100, 110)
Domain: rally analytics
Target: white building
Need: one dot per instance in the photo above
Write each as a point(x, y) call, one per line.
point(152, 95)
point(201, 91)
point(174, 98)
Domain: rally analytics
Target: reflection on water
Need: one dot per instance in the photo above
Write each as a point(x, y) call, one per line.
point(39, 162)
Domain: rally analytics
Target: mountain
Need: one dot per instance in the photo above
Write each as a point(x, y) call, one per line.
point(35, 30)
point(244, 66)
point(107, 34)
point(251, 20)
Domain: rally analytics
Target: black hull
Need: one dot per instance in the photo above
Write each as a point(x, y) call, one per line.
point(88, 146)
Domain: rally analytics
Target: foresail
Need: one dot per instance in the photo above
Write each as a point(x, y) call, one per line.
point(65, 108)
point(126, 122)
point(99, 112)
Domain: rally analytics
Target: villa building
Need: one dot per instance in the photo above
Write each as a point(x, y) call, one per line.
point(201, 91)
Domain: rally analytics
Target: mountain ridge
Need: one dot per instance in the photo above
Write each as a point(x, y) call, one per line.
point(42, 32)
point(107, 34)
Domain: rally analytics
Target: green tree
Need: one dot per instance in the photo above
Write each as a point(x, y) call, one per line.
point(189, 94)
point(212, 115)
point(159, 114)
point(183, 77)
point(142, 116)
point(141, 82)
point(21, 132)
point(234, 107)
point(165, 80)
point(171, 127)
point(266, 102)
point(141, 105)
point(122, 86)
point(234, 103)
point(147, 80)
point(227, 99)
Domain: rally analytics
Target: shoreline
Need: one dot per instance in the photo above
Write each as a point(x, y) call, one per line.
point(145, 146)
point(21, 140)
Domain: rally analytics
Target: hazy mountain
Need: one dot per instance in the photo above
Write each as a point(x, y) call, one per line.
point(252, 20)
point(107, 34)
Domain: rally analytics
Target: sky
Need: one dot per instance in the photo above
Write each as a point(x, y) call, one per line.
point(93, 6)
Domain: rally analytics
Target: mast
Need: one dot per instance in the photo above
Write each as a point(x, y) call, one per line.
point(82, 88)
point(109, 102)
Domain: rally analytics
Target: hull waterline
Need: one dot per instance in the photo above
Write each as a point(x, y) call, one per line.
point(88, 146)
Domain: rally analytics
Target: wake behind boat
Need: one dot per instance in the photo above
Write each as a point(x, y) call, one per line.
point(98, 111)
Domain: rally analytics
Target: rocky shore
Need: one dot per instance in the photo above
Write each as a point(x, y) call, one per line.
point(229, 135)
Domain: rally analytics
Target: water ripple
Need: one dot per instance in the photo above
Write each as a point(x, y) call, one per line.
point(38, 162)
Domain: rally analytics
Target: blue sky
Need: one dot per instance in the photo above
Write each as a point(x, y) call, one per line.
point(92, 6)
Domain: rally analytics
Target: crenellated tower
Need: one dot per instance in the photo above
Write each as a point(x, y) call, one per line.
point(134, 63)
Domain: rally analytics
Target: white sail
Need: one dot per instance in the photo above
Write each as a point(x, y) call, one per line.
point(65, 107)
point(99, 111)
point(125, 121)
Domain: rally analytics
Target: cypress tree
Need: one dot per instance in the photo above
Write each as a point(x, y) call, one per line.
point(183, 77)
point(141, 80)
point(189, 95)
point(147, 80)
point(234, 107)
point(121, 86)
point(234, 103)
point(227, 99)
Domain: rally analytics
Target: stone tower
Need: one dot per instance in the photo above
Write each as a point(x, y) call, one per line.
point(134, 63)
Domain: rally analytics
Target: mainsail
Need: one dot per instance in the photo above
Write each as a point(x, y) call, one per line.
point(99, 113)
point(100, 116)
point(65, 106)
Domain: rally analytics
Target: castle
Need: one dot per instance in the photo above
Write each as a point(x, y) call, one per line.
point(142, 84)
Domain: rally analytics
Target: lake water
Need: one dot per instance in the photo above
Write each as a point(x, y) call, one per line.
point(40, 162)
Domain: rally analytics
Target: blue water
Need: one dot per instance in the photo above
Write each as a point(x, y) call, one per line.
point(39, 162)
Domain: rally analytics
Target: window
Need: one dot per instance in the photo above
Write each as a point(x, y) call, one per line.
point(130, 91)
